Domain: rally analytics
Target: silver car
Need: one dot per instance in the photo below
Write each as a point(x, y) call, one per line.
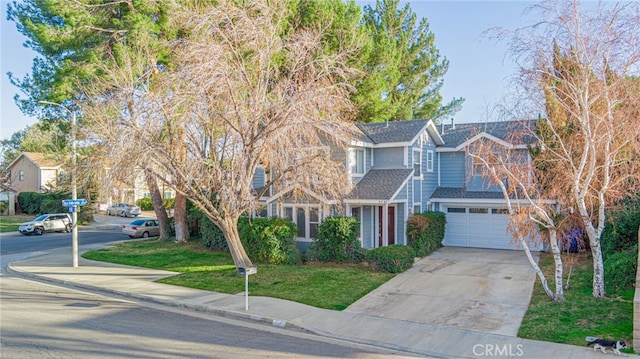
point(142, 228)
point(54, 222)
point(123, 210)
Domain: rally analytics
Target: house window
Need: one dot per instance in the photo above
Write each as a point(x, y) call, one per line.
point(417, 160)
point(314, 221)
point(21, 175)
point(356, 161)
point(456, 210)
point(416, 209)
point(168, 194)
point(478, 210)
point(499, 211)
point(357, 212)
point(429, 161)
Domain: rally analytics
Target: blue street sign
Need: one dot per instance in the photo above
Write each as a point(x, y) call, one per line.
point(74, 202)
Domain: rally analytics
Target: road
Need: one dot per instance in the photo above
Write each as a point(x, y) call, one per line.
point(45, 321)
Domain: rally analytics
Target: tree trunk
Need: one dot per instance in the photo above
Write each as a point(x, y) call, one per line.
point(557, 259)
point(229, 226)
point(158, 206)
point(543, 279)
point(180, 218)
point(596, 254)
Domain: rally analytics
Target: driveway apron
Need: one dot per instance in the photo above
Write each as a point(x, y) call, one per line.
point(484, 290)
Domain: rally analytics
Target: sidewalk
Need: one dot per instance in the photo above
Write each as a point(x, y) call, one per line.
point(422, 339)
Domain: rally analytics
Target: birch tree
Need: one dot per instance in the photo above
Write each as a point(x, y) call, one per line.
point(509, 167)
point(245, 95)
point(577, 68)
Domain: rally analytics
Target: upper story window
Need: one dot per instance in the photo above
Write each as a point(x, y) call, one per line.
point(21, 175)
point(356, 161)
point(429, 161)
point(417, 162)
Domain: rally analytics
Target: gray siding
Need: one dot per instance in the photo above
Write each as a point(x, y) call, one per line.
point(258, 178)
point(367, 225)
point(452, 167)
point(400, 223)
point(388, 157)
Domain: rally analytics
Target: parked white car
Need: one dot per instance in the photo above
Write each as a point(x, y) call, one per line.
point(123, 210)
point(54, 222)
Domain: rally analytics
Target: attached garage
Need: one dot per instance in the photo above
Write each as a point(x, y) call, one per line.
point(477, 225)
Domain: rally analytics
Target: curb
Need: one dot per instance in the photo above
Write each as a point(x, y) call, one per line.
point(169, 303)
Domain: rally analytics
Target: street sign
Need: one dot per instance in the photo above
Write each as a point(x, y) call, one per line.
point(74, 202)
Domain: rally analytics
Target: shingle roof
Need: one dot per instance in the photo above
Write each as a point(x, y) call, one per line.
point(380, 184)
point(454, 136)
point(393, 131)
point(460, 193)
point(45, 160)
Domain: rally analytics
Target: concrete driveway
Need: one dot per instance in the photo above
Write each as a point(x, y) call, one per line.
point(484, 290)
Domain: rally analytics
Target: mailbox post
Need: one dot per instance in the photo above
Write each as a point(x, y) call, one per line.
point(246, 272)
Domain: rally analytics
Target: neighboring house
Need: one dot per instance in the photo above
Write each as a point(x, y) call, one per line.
point(35, 172)
point(405, 167)
point(8, 196)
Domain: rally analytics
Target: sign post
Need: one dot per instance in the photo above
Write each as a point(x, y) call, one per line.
point(246, 272)
point(72, 204)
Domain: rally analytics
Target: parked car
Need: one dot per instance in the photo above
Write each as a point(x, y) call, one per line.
point(54, 222)
point(123, 210)
point(142, 228)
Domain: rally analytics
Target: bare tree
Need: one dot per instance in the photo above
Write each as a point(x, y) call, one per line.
point(577, 68)
point(245, 91)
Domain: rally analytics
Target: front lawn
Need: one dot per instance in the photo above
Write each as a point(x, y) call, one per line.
point(581, 315)
point(330, 286)
point(12, 223)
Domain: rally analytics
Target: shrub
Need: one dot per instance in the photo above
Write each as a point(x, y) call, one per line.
point(337, 241)
point(212, 237)
point(169, 203)
point(269, 240)
point(394, 258)
point(425, 232)
point(3, 207)
point(30, 202)
point(36, 203)
point(620, 269)
point(145, 204)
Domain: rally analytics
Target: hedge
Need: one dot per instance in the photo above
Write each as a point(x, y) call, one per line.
point(337, 241)
point(425, 232)
point(394, 258)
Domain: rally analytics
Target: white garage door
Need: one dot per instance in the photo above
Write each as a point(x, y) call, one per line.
point(477, 226)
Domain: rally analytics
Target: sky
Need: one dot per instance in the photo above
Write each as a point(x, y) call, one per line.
point(479, 68)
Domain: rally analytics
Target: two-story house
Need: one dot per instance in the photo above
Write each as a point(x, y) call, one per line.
point(405, 167)
point(35, 172)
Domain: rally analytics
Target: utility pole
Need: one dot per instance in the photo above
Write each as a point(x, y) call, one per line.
point(74, 182)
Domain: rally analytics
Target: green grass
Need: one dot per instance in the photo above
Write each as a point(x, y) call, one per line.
point(581, 315)
point(11, 223)
point(329, 286)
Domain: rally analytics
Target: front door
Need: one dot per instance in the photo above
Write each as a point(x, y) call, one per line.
point(391, 228)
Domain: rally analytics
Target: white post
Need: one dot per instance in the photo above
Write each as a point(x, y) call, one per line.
point(74, 183)
point(246, 290)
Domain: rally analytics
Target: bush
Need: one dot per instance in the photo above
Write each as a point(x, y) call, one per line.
point(212, 237)
point(34, 203)
point(269, 240)
point(620, 269)
point(30, 202)
point(425, 232)
point(395, 258)
point(145, 204)
point(337, 241)
point(3, 207)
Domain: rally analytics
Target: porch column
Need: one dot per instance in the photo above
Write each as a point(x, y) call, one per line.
point(385, 224)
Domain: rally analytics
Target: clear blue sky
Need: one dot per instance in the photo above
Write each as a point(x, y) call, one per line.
point(478, 71)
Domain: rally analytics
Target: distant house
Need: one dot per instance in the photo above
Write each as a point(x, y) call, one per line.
point(8, 196)
point(35, 172)
point(406, 167)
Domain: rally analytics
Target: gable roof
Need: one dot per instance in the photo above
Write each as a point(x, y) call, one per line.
point(459, 135)
point(460, 193)
point(380, 184)
point(42, 160)
point(397, 131)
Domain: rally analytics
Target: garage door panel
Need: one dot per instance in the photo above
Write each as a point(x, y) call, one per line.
point(477, 226)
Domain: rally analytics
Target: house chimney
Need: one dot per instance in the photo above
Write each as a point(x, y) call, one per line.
point(442, 128)
point(453, 124)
